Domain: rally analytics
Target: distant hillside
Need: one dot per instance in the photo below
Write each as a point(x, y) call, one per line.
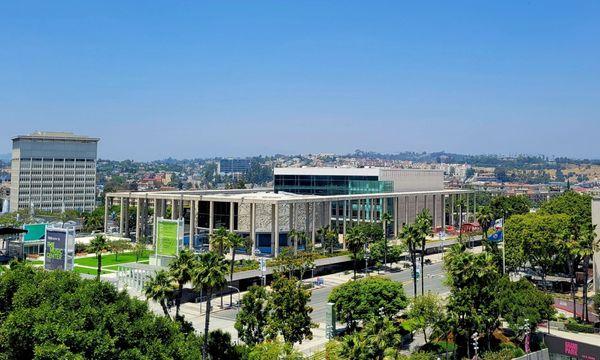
point(5, 157)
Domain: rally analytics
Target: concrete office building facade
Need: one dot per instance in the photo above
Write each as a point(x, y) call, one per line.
point(263, 215)
point(53, 171)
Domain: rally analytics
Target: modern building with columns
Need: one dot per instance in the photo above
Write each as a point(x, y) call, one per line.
point(265, 215)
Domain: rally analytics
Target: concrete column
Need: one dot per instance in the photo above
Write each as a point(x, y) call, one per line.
point(468, 205)
point(211, 217)
point(174, 209)
point(395, 217)
point(328, 214)
point(313, 234)
point(433, 215)
point(359, 211)
point(138, 219)
point(383, 211)
point(276, 228)
point(180, 209)
point(163, 208)
point(106, 210)
point(126, 231)
point(253, 227)
point(122, 218)
point(231, 216)
point(156, 204)
point(344, 223)
point(193, 222)
point(451, 209)
point(443, 213)
point(406, 210)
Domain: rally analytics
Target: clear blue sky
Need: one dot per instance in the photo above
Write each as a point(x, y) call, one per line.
point(233, 78)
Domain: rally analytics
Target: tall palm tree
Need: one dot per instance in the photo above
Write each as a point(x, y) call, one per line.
point(485, 218)
point(97, 245)
point(296, 237)
point(218, 239)
point(210, 274)
point(355, 241)
point(587, 245)
point(410, 235)
point(181, 269)
point(386, 218)
point(160, 289)
point(233, 242)
point(423, 225)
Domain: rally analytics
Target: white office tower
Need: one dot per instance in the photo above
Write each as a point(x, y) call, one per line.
point(53, 171)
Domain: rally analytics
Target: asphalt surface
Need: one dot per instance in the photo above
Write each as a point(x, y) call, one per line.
point(434, 276)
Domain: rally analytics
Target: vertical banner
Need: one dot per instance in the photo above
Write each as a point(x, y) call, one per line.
point(59, 249)
point(55, 255)
point(168, 237)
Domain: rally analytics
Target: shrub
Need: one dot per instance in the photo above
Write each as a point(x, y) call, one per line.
point(583, 328)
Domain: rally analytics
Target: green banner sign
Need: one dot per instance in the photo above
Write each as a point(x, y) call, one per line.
point(35, 232)
point(167, 239)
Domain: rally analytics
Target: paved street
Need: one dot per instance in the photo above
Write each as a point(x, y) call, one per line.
point(225, 318)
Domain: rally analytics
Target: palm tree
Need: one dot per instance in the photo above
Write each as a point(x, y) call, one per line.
point(423, 225)
point(296, 236)
point(210, 274)
point(233, 242)
point(160, 289)
point(587, 245)
point(485, 218)
point(218, 238)
point(410, 235)
point(386, 218)
point(97, 245)
point(329, 239)
point(181, 269)
point(355, 241)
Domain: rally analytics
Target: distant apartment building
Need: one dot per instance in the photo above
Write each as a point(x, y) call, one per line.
point(233, 166)
point(53, 171)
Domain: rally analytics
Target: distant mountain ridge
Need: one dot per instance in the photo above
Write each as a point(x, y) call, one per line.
point(5, 157)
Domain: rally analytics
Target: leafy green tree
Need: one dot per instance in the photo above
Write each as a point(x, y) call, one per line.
point(395, 253)
point(160, 289)
point(367, 298)
point(289, 312)
point(139, 249)
point(471, 307)
point(181, 270)
point(423, 313)
point(274, 350)
point(251, 320)
point(210, 274)
point(97, 246)
point(118, 247)
point(520, 303)
point(536, 240)
point(59, 315)
point(507, 206)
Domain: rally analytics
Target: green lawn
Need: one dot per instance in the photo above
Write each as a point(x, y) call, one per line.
point(109, 259)
point(82, 270)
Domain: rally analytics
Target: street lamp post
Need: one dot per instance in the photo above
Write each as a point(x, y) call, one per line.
point(239, 295)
